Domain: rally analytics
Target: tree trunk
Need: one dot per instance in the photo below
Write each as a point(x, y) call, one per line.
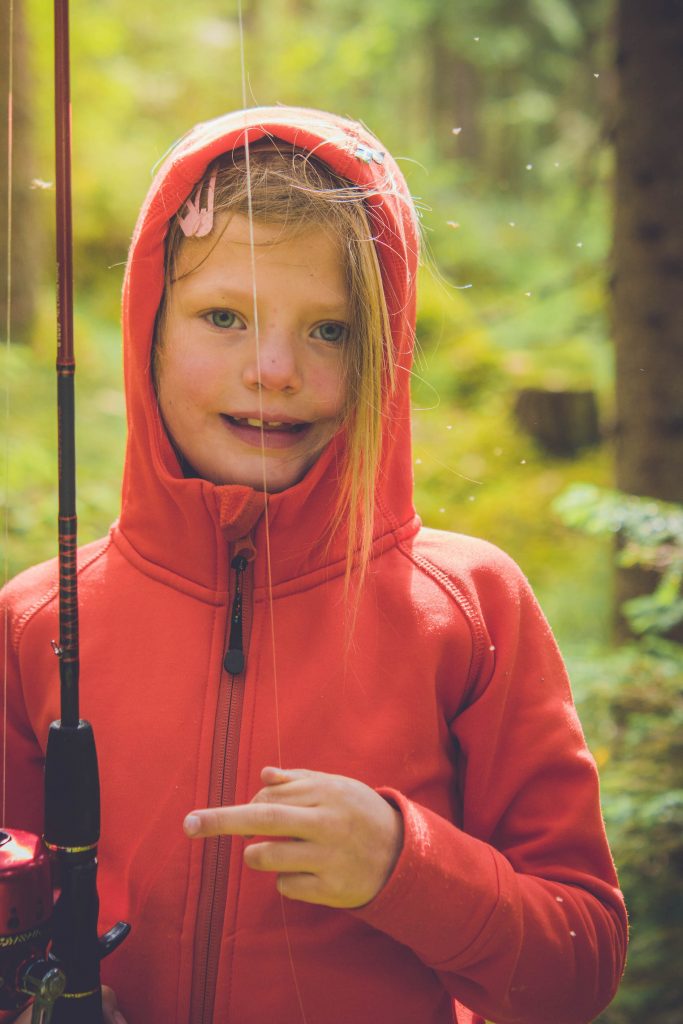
point(648, 256)
point(25, 244)
point(453, 92)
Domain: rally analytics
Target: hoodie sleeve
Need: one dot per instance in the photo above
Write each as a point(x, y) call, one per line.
point(23, 763)
point(518, 910)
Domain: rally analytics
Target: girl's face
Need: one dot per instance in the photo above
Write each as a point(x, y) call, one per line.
point(216, 388)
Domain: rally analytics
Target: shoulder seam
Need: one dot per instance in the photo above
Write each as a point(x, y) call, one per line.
point(50, 594)
point(458, 595)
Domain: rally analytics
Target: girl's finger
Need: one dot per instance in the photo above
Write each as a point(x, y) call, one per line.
point(110, 1011)
point(255, 819)
point(304, 887)
point(285, 857)
point(273, 776)
point(308, 788)
point(302, 792)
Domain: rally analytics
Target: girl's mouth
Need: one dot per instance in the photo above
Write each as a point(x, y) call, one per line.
point(247, 421)
point(269, 433)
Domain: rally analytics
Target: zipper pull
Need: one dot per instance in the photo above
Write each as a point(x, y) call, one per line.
point(234, 659)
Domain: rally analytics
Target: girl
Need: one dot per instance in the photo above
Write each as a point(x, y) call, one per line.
point(343, 779)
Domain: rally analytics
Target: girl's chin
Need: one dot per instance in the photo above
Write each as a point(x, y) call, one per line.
point(272, 479)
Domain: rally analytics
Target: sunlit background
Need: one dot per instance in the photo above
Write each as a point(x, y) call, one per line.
point(499, 113)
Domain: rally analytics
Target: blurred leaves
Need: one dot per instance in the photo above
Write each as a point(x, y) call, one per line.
point(631, 704)
point(651, 524)
point(651, 536)
point(515, 207)
point(143, 73)
point(561, 20)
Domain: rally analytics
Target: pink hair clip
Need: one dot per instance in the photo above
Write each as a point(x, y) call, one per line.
point(195, 221)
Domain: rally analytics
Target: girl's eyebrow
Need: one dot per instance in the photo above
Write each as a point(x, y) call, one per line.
point(217, 293)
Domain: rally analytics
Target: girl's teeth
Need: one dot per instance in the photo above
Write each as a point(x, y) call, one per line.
point(266, 423)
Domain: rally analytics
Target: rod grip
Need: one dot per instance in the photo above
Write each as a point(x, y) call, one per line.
point(72, 787)
point(75, 946)
point(84, 1010)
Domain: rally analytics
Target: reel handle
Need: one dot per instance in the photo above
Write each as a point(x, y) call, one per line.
point(45, 983)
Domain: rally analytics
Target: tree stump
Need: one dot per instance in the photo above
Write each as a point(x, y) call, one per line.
point(562, 422)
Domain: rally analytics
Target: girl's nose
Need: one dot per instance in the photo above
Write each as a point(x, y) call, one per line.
point(273, 364)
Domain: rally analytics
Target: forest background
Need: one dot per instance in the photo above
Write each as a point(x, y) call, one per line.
point(501, 113)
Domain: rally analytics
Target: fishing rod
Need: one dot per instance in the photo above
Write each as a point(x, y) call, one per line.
point(51, 951)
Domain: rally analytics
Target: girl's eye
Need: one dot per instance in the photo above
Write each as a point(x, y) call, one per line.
point(224, 318)
point(331, 331)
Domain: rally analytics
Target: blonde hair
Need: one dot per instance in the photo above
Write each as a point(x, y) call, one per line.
point(286, 186)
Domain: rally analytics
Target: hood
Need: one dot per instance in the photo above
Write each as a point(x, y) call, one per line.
point(182, 525)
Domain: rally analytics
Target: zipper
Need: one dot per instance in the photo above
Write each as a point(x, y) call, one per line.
point(234, 661)
point(214, 879)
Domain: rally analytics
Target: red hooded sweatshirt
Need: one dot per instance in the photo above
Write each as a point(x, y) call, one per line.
point(451, 700)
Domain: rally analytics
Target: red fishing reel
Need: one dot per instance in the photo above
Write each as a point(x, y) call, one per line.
point(26, 903)
point(49, 946)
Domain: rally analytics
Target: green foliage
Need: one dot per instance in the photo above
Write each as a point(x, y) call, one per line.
point(631, 704)
point(651, 536)
point(477, 473)
point(520, 76)
point(31, 442)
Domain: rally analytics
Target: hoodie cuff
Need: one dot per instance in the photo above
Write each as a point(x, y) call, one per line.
point(443, 890)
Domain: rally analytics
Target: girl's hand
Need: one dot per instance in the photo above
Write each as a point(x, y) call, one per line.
point(110, 1013)
point(344, 839)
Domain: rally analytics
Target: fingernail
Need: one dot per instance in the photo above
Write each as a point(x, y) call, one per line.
point(191, 825)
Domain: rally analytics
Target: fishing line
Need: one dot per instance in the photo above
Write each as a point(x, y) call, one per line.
point(266, 520)
point(8, 335)
point(254, 299)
